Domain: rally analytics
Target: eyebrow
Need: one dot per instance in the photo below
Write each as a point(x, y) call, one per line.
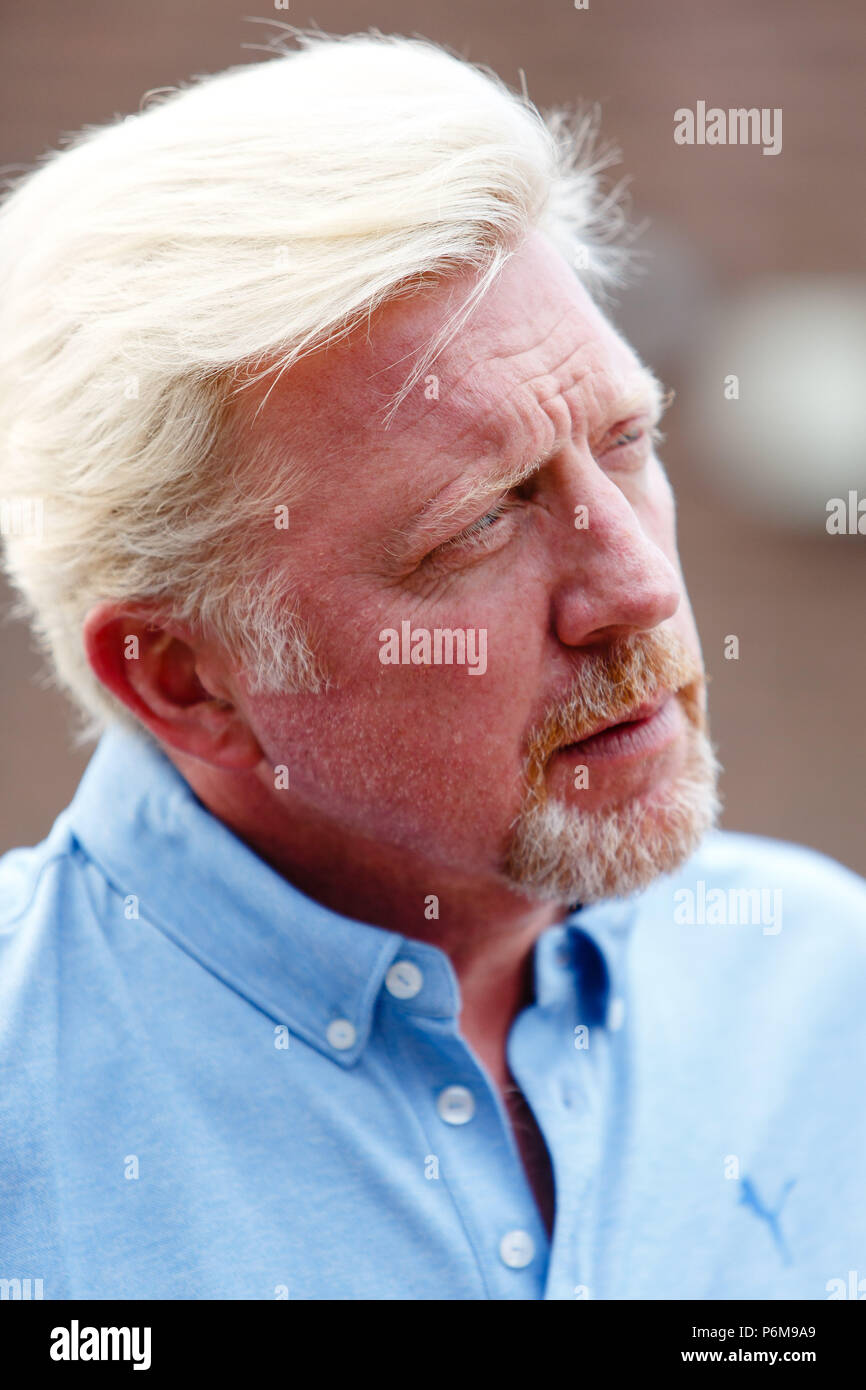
point(644, 394)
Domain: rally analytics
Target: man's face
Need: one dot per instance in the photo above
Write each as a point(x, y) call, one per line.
point(568, 568)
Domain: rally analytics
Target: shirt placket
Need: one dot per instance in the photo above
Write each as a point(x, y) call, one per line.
point(477, 1159)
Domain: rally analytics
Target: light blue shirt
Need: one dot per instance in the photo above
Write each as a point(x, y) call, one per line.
point(213, 1087)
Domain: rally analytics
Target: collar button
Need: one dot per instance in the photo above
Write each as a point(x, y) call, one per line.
point(404, 979)
point(341, 1034)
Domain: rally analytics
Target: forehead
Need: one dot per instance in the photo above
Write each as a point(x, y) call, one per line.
point(536, 351)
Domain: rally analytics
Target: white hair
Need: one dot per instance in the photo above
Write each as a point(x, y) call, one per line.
point(157, 265)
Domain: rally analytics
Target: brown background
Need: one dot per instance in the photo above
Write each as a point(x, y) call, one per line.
point(788, 715)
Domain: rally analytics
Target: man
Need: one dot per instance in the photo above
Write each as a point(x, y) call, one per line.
point(386, 950)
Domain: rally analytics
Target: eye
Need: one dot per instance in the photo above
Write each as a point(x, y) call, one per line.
point(632, 442)
point(627, 436)
point(474, 537)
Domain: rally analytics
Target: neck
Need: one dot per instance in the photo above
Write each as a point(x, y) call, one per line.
point(487, 929)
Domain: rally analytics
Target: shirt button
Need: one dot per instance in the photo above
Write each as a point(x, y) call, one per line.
point(404, 979)
point(456, 1105)
point(341, 1034)
point(616, 1015)
point(516, 1249)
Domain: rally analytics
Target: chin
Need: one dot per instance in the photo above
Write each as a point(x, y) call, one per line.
point(559, 851)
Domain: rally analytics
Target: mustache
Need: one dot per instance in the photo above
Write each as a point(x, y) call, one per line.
point(610, 685)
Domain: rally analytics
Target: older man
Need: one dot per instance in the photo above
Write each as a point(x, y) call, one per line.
point(386, 950)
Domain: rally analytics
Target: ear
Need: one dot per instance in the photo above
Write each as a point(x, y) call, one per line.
point(172, 682)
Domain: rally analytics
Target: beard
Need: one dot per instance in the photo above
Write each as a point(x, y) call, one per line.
point(556, 851)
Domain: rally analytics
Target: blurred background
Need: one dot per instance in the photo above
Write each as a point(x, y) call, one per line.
point(754, 270)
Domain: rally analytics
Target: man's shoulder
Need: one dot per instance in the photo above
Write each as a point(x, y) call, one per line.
point(771, 912)
point(52, 895)
point(760, 942)
point(733, 859)
point(30, 878)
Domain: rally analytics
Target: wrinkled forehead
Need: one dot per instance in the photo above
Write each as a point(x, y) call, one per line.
point(535, 332)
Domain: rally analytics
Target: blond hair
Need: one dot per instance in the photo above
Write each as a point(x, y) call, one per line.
point(158, 265)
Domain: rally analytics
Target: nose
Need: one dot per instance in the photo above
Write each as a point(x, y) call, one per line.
point(616, 580)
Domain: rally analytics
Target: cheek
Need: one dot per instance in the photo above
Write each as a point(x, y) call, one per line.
point(414, 755)
point(408, 751)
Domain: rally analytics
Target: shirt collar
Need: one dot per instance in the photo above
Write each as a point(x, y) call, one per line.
point(305, 966)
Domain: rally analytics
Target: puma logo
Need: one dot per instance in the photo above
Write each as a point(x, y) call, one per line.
point(750, 1198)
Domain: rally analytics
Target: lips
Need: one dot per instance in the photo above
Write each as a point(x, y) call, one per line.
point(635, 716)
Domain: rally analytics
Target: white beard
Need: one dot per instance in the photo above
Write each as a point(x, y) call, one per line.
point(558, 851)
